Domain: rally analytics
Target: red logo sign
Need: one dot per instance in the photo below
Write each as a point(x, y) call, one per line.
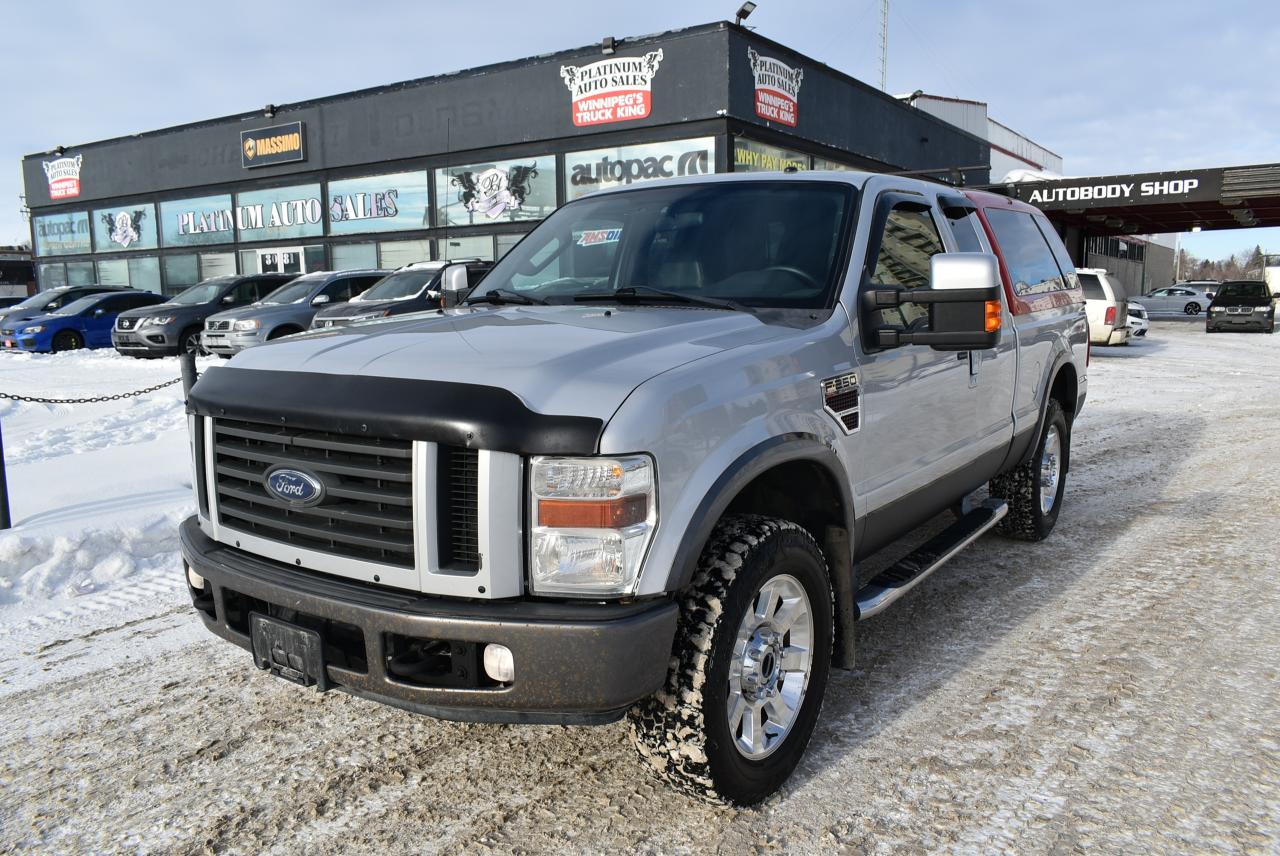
point(777, 88)
point(64, 177)
point(612, 90)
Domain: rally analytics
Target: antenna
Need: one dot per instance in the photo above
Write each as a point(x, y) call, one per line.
point(884, 45)
point(448, 162)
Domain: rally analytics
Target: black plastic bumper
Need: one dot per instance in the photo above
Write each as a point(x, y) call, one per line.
point(574, 663)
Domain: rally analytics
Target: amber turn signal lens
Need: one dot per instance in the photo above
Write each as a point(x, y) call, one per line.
point(994, 316)
point(592, 514)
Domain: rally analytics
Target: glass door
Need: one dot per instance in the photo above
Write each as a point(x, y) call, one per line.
point(282, 260)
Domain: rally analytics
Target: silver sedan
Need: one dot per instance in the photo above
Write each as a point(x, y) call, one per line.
point(1188, 299)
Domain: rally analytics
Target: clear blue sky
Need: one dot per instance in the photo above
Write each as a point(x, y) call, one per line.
point(1111, 86)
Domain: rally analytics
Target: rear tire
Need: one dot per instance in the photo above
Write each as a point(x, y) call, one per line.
point(754, 636)
point(67, 340)
point(1034, 490)
point(1192, 308)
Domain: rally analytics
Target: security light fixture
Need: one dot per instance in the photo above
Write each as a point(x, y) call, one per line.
point(59, 150)
point(1195, 228)
point(269, 111)
point(911, 99)
point(744, 12)
point(608, 45)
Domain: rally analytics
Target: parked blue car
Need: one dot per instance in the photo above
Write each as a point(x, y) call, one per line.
point(83, 323)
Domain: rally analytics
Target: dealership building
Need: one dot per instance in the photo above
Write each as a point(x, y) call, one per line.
point(461, 164)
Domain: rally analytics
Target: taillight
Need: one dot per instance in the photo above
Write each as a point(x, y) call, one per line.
point(1111, 315)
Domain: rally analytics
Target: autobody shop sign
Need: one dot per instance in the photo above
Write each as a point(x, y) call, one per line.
point(1111, 191)
point(618, 89)
point(777, 88)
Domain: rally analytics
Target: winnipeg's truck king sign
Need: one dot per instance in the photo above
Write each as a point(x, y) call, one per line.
point(777, 88)
point(64, 177)
point(612, 90)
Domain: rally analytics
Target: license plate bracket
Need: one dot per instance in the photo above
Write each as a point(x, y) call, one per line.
point(288, 651)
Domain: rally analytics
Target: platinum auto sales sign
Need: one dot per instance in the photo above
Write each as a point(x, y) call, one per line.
point(777, 88)
point(64, 177)
point(617, 89)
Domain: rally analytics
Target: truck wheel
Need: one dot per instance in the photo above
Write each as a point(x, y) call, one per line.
point(1034, 490)
point(1192, 308)
point(749, 666)
point(67, 340)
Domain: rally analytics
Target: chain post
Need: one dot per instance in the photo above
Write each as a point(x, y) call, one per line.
point(5, 520)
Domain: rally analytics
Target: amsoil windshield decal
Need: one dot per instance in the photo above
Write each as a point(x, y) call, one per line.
point(777, 88)
point(64, 177)
point(612, 90)
point(592, 237)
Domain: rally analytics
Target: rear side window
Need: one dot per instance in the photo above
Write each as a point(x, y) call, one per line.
point(1065, 264)
point(1092, 288)
point(1031, 264)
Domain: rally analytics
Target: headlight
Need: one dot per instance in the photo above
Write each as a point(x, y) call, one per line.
point(592, 521)
point(1263, 309)
point(251, 324)
point(1215, 308)
point(156, 321)
point(35, 328)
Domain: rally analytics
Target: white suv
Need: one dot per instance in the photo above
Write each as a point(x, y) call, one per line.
point(1107, 306)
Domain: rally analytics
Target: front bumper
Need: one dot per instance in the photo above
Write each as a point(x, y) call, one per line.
point(229, 342)
point(1219, 321)
point(575, 663)
point(145, 340)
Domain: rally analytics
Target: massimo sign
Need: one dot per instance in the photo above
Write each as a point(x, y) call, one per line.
point(275, 145)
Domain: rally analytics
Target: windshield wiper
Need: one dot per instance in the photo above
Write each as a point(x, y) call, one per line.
point(648, 294)
point(498, 296)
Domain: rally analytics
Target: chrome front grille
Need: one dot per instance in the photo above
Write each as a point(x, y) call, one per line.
point(439, 519)
point(217, 326)
point(126, 323)
point(1239, 310)
point(366, 512)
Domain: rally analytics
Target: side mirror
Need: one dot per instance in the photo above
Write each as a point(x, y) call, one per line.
point(453, 285)
point(965, 312)
point(1275, 295)
point(320, 300)
point(99, 312)
point(230, 298)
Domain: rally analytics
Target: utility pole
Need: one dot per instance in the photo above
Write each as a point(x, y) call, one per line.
point(884, 45)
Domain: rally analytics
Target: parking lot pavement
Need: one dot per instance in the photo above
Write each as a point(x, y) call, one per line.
point(1116, 687)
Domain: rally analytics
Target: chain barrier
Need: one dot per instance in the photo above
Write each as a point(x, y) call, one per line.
point(35, 399)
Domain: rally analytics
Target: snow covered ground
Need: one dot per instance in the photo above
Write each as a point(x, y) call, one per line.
point(1113, 688)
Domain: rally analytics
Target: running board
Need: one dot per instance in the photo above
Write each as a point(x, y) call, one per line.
point(900, 578)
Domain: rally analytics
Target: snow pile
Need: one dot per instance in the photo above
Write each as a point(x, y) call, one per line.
point(96, 490)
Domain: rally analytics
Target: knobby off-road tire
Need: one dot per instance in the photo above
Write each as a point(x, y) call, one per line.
point(683, 731)
point(1034, 498)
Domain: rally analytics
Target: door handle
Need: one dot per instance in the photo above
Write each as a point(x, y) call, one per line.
point(963, 355)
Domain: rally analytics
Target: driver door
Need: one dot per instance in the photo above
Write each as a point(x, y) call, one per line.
point(917, 413)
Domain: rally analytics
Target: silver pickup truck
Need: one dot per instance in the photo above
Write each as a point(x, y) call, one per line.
point(639, 470)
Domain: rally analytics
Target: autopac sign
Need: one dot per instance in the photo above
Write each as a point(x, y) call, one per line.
point(1109, 191)
point(274, 145)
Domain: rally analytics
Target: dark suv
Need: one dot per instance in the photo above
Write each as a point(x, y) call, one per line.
point(412, 288)
point(1246, 305)
point(49, 301)
point(172, 327)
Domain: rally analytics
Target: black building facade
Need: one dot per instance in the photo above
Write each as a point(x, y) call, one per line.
point(461, 164)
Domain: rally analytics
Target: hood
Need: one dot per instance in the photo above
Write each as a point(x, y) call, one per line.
point(1251, 300)
point(352, 307)
point(559, 360)
point(18, 316)
point(165, 309)
point(257, 310)
point(49, 320)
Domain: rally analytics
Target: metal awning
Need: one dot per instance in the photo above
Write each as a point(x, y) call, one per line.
point(1234, 197)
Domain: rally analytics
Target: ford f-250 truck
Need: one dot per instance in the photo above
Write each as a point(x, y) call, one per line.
point(638, 470)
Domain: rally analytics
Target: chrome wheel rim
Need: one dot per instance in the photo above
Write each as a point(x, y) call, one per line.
point(1050, 469)
point(769, 671)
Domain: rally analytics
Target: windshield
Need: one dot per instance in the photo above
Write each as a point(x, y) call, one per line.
point(38, 301)
point(759, 244)
point(294, 292)
point(75, 307)
point(201, 292)
point(1243, 289)
point(398, 286)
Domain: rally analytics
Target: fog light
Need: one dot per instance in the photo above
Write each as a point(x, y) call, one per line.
point(194, 580)
point(499, 664)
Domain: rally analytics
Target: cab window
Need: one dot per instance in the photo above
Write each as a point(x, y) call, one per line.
point(964, 228)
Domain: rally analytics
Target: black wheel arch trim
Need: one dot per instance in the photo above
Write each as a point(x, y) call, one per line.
point(456, 414)
point(752, 463)
point(1023, 446)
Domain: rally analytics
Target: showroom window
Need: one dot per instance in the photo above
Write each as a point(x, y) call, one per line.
point(217, 264)
point(280, 213)
point(113, 272)
point(62, 234)
point(125, 227)
point(394, 254)
point(143, 272)
point(496, 192)
point(379, 203)
point(354, 256)
point(750, 156)
point(51, 275)
point(476, 246)
point(180, 271)
point(505, 243)
point(623, 166)
point(80, 273)
point(193, 222)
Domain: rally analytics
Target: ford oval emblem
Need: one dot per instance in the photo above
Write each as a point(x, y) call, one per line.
point(294, 486)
